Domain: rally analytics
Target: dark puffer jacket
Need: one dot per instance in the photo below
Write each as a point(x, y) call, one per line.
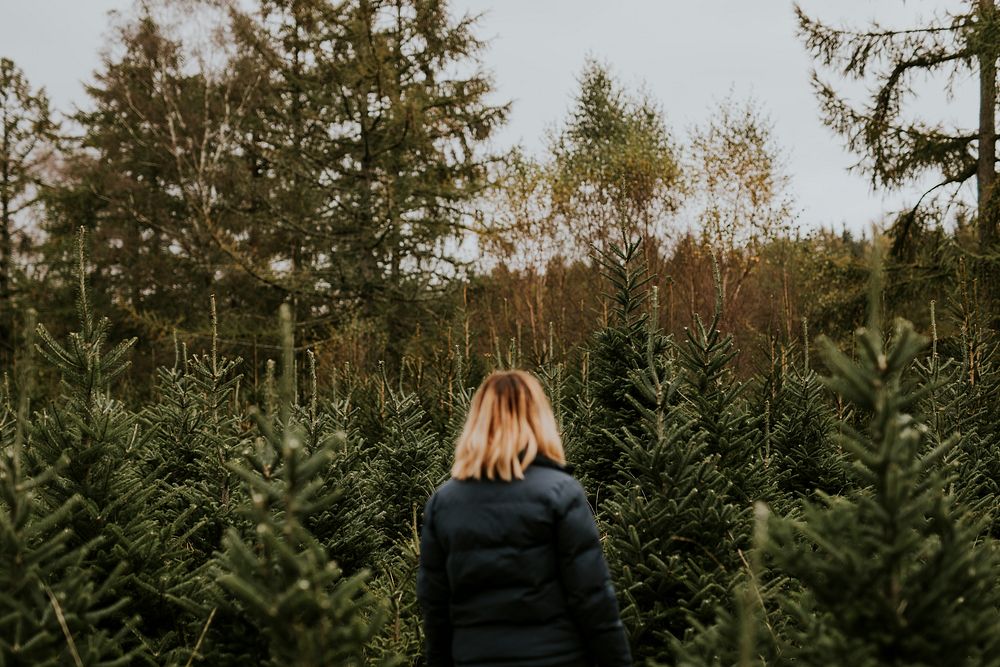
point(512, 573)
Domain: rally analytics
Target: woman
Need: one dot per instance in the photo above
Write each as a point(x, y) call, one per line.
point(511, 568)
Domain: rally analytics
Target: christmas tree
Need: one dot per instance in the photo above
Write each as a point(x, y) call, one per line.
point(281, 576)
point(50, 602)
point(673, 533)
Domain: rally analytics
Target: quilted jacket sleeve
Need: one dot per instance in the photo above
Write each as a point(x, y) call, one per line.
point(586, 581)
point(433, 593)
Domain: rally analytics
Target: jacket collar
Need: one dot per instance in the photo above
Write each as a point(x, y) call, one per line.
point(546, 462)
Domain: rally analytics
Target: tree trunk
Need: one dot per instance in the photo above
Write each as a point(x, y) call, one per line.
point(986, 173)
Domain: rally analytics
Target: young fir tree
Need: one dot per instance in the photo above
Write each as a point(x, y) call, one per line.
point(50, 602)
point(134, 540)
point(714, 397)
point(673, 534)
point(617, 350)
point(894, 574)
point(347, 526)
point(800, 449)
point(196, 431)
point(459, 398)
point(395, 583)
point(281, 577)
point(407, 463)
point(961, 398)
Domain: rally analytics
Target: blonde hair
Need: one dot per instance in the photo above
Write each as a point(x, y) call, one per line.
point(510, 422)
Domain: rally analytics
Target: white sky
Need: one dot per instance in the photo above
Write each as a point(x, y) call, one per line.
point(687, 53)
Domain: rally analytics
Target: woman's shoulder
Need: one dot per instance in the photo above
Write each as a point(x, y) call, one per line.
point(543, 479)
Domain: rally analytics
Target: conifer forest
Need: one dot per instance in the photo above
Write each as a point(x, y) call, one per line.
point(249, 285)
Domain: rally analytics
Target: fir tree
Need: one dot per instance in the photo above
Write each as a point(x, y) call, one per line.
point(893, 574)
point(895, 571)
point(348, 526)
point(50, 602)
point(617, 350)
point(282, 577)
point(132, 542)
point(196, 431)
point(800, 446)
point(714, 397)
point(961, 396)
point(407, 463)
point(673, 534)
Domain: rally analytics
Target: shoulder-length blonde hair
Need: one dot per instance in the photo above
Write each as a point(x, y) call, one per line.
point(510, 422)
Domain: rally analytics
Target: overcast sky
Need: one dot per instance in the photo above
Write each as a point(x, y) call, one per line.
point(687, 54)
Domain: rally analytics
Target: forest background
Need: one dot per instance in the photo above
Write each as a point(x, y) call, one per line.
point(186, 163)
point(189, 477)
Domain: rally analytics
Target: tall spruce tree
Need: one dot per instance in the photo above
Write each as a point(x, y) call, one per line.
point(152, 177)
point(367, 146)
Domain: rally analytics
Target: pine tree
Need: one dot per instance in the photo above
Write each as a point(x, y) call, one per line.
point(133, 542)
point(617, 350)
point(800, 445)
point(50, 602)
point(893, 574)
point(673, 533)
point(714, 397)
point(282, 577)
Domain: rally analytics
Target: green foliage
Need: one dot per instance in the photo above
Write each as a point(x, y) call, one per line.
point(714, 398)
point(51, 604)
point(673, 535)
point(405, 465)
point(615, 164)
point(617, 351)
point(894, 146)
point(282, 577)
point(800, 447)
point(131, 540)
point(893, 574)
point(27, 140)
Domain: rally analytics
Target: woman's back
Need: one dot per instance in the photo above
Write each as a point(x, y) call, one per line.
point(512, 573)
